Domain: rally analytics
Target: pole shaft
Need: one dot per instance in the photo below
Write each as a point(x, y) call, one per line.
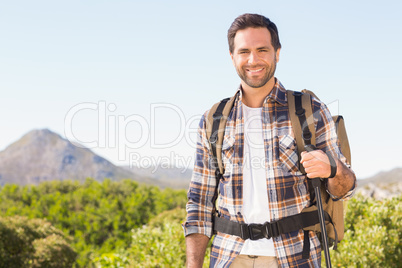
point(316, 184)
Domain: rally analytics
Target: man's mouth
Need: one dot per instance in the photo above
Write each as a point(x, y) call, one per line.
point(255, 70)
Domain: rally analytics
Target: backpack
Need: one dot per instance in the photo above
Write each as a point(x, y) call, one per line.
point(299, 103)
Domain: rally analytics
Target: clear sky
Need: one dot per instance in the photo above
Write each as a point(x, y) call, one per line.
point(131, 79)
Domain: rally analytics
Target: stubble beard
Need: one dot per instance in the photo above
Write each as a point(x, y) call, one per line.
point(270, 72)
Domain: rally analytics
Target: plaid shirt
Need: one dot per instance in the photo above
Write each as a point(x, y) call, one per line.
point(286, 185)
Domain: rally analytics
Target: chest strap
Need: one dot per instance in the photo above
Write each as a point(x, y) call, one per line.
point(268, 229)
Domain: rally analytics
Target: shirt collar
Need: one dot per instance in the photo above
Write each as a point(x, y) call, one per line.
point(277, 94)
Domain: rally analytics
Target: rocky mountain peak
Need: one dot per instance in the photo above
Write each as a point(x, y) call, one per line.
point(42, 155)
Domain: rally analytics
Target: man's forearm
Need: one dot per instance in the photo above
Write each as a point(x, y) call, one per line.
point(343, 180)
point(196, 244)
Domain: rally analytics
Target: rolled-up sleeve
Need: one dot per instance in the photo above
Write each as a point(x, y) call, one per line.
point(327, 140)
point(202, 188)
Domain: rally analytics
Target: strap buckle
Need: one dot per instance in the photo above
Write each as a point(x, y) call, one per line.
point(273, 229)
point(257, 231)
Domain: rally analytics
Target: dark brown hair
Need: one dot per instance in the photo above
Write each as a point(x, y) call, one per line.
point(253, 21)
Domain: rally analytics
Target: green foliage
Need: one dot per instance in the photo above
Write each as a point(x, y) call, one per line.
point(125, 224)
point(33, 243)
point(111, 260)
point(98, 216)
point(52, 251)
point(372, 238)
point(160, 243)
point(373, 234)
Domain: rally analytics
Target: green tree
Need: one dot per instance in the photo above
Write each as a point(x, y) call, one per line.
point(33, 243)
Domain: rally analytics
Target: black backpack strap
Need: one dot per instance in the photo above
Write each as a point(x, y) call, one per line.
point(301, 115)
point(268, 229)
point(306, 245)
point(302, 120)
point(215, 129)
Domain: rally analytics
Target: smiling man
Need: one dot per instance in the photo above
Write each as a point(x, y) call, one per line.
point(255, 59)
point(261, 182)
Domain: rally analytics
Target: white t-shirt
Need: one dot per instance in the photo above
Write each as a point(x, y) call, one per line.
point(255, 194)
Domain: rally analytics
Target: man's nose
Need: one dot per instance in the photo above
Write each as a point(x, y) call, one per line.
point(253, 58)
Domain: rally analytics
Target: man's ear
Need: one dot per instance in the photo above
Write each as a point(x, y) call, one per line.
point(231, 56)
point(277, 52)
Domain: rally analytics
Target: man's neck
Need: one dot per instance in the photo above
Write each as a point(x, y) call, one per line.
point(254, 97)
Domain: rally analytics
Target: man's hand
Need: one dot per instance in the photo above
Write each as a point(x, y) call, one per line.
point(316, 164)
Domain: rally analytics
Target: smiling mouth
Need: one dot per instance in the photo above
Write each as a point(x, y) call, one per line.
point(255, 71)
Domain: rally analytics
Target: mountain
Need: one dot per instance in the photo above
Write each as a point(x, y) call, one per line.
point(384, 177)
point(386, 184)
point(42, 155)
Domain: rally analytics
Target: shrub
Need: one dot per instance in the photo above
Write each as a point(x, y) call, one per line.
point(33, 243)
point(160, 243)
point(373, 234)
point(99, 216)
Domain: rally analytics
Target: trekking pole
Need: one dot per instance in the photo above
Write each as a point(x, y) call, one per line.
point(316, 182)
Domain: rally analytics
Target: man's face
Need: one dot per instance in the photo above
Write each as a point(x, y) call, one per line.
point(254, 57)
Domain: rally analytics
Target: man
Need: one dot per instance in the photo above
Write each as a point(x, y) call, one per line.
point(261, 182)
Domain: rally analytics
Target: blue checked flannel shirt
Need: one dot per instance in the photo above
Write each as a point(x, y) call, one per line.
point(286, 185)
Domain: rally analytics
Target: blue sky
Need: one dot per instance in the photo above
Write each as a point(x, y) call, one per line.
point(130, 79)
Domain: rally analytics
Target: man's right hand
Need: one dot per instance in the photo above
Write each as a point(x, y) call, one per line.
point(196, 244)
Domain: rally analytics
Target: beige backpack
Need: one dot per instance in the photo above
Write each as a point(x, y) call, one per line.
point(216, 122)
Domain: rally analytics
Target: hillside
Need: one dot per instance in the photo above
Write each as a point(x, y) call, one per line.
point(385, 184)
point(42, 155)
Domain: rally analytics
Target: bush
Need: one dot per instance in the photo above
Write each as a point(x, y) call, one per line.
point(372, 239)
point(99, 216)
point(160, 243)
point(373, 234)
point(33, 243)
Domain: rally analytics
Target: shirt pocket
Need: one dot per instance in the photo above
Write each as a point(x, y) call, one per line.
point(289, 160)
point(228, 154)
